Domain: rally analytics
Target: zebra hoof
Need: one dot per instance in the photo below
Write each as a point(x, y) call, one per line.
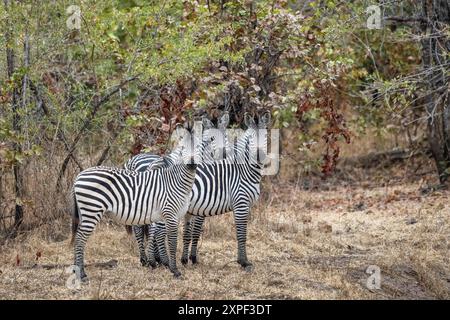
point(151, 264)
point(176, 274)
point(184, 260)
point(84, 278)
point(194, 259)
point(247, 266)
point(144, 262)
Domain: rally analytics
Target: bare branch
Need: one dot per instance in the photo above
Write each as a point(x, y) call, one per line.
point(86, 124)
point(406, 19)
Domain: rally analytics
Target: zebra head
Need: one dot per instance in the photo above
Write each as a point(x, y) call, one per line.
point(221, 145)
point(257, 137)
point(184, 151)
point(192, 146)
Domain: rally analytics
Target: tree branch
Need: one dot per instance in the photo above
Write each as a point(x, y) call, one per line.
point(86, 124)
point(406, 19)
point(42, 104)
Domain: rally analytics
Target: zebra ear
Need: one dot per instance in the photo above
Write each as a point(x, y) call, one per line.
point(179, 128)
point(207, 124)
point(264, 120)
point(249, 121)
point(179, 132)
point(224, 120)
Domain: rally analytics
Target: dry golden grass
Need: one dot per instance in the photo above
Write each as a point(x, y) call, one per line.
point(305, 244)
point(308, 239)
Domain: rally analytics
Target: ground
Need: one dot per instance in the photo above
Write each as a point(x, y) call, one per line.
point(305, 243)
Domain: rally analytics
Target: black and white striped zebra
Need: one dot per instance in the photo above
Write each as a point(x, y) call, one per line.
point(136, 198)
point(232, 184)
point(155, 232)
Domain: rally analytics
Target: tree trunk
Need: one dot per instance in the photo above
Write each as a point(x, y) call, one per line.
point(17, 168)
point(436, 17)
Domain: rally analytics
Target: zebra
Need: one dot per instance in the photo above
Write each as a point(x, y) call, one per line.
point(231, 184)
point(156, 231)
point(136, 198)
point(242, 152)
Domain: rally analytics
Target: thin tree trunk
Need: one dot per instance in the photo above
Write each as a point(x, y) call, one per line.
point(17, 168)
point(435, 18)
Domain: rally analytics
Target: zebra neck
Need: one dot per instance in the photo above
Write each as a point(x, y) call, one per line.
point(182, 176)
point(251, 172)
point(242, 147)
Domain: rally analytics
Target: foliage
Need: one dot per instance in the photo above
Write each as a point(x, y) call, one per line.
point(135, 68)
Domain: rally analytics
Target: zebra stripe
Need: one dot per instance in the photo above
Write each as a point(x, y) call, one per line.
point(135, 198)
point(156, 232)
point(228, 185)
point(248, 193)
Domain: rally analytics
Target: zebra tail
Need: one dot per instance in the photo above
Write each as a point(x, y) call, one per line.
point(129, 229)
point(75, 219)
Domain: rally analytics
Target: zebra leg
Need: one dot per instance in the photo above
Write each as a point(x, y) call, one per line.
point(240, 218)
point(85, 229)
point(155, 244)
point(172, 235)
point(197, 228)
point(140, 237)
point(161, 243)
point(156, 249)
point(186, 238)
point(151, 250)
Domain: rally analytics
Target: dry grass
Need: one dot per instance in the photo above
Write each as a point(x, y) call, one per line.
point(308, 239)
point(305, 244)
